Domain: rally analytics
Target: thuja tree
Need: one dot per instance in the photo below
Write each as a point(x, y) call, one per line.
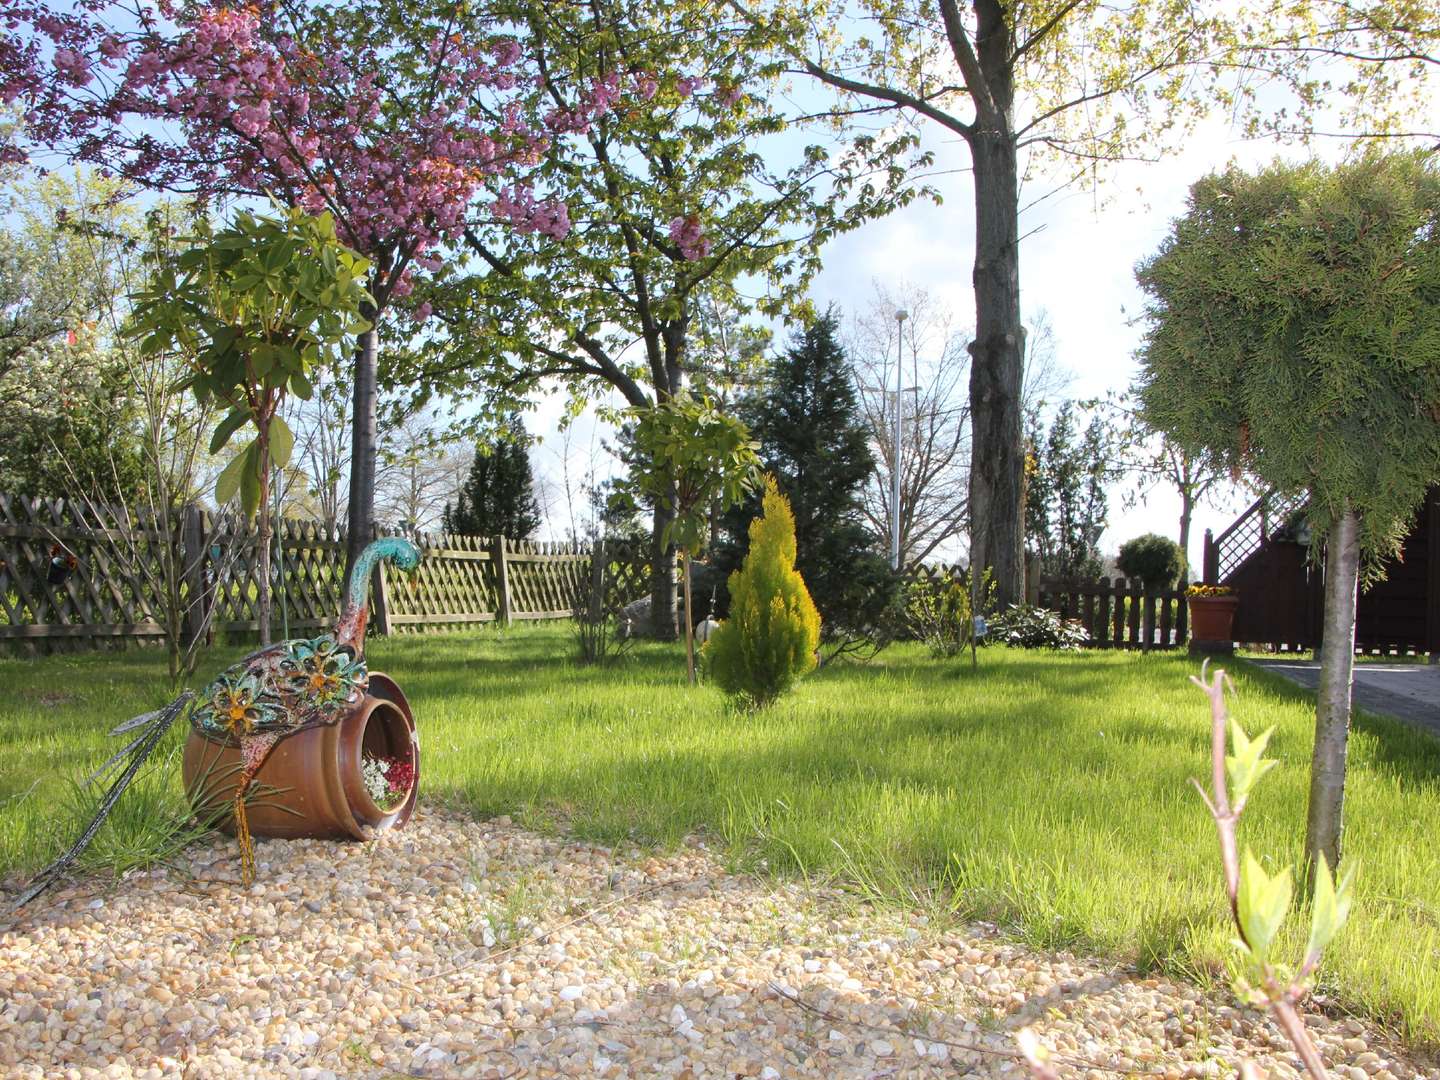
point(1293, 334)
point(816, 444)
point(770, 638)
point(253, 309)
point(1060, 88)
point(399, 117)
point(674, 199)
point(1065, 495)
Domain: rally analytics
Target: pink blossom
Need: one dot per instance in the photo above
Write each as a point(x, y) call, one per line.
point(687, 85)
point(689, 236)
point(424, 311)
point(72, 66)
point(252, 118)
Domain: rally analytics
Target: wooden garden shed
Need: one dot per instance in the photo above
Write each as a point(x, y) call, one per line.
point(1265, 557)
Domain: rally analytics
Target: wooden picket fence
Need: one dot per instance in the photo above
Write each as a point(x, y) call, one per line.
point(1117, 614)
point(115, 594)
point(1120, 614)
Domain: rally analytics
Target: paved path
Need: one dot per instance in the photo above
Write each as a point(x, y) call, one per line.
point(1410, 692)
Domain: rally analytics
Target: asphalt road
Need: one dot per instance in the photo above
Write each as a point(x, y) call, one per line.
point(1410, 692)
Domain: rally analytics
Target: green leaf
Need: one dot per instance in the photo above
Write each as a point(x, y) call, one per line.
point(1263, 904)
point(229, 481)
point(1245, 766)
point(226, 428)
point(262, 359)
point(250, 481)
point(300, 386)
point(1329, 908)
point(282, 442)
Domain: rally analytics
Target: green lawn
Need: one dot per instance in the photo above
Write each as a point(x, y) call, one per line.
point(1050, 792)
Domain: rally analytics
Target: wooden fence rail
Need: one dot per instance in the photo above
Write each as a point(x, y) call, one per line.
point(114, 593)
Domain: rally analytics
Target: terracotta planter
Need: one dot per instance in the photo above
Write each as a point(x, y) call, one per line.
point(311, 785)
point(1212, 621)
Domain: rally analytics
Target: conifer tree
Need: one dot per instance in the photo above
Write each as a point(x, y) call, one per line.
point(1065, 498)
point(770, 638)
point(497, 498)
point(814, 442)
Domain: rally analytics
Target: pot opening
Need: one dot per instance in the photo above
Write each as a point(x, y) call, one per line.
point(387, 758)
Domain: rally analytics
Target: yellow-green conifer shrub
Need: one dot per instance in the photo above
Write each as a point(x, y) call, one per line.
point(770, 638)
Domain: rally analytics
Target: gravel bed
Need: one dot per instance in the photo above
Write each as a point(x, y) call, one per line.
point(457, 948)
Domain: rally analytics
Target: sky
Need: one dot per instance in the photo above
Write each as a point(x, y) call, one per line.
point(1077, 262)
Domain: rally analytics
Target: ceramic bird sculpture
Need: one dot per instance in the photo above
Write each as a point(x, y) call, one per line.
point(273, 693)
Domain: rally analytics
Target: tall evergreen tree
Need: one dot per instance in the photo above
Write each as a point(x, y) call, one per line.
point(497, 498)
point(1065, 497)
point(814, 441)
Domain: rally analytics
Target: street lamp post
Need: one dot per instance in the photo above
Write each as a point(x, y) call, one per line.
point(900, 317)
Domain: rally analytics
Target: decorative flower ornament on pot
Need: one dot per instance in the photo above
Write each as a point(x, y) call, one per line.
point(1212, 618)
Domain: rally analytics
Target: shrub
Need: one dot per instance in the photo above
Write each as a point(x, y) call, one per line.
point(938, 611)
point(1036, 628)
point(1156, 560)
point(770, 638)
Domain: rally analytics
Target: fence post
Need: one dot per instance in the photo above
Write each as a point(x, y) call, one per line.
point(1032, 579)
point(197, 554)
point(1210, 561)
point(502, 576)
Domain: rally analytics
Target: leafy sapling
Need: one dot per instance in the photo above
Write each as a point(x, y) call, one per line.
point(1260, 901)
point(694, 458)
point(253, 309)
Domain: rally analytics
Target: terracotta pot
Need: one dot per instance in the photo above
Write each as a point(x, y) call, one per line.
point(311, 784)
point(1212, 621)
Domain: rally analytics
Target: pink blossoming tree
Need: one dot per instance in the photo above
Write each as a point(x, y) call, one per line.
point(402, 119)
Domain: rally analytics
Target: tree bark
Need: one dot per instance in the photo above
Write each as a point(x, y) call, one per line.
point(663, 620)
point(1187, 514)
point(997, 457)
point(1325, 820)
point(262, 539)
point(666, 370)
point(689, 626)
point(361, 512)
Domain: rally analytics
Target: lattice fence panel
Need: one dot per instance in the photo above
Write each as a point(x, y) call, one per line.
point(75, 572)
point(547, 579)
point(115, 593)
point(455, 585)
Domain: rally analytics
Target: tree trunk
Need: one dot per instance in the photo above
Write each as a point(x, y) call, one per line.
point(689, 626)
point(361, 516)
point(663, 616)
point(662, 577)
point(262, 540)
point(1325, 820)
point(997, 457)
point(1187, 512)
